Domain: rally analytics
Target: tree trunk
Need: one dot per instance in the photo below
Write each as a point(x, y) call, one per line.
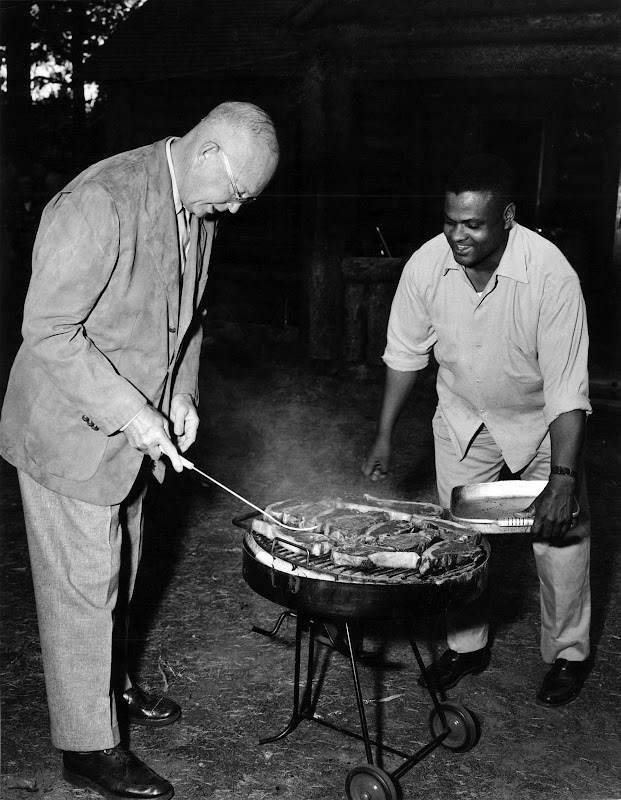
point(78, 32)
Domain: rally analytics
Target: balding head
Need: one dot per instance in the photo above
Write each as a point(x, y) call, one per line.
point(242, 132)
point(244, 119)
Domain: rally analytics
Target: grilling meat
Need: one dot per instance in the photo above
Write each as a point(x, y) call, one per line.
point(363, 556)
point(344, 525)
point(316, 543)
point(365, 538)
point(446, 555)
point(298, 513)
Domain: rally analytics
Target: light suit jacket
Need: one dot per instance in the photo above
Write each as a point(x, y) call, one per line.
point(106, 326)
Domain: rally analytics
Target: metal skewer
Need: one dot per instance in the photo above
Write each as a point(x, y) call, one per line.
point(189, 465)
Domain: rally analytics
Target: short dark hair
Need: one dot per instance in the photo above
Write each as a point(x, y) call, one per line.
point(484, 172)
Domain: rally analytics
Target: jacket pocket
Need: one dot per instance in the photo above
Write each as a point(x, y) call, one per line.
point(60, 441)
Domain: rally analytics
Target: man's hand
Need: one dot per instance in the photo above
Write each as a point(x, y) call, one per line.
point(148, 433)
point(375, 465)
point(553, 509)
point(185, 420)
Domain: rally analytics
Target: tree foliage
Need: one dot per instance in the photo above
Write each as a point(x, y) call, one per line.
point(67, 30)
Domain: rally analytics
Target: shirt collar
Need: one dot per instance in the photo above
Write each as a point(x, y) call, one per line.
point(171, 169)
point(512, 264)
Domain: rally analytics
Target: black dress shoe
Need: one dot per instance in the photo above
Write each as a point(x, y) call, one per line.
point(149, 709)
point(116, 774)
point(451, 667)
point(563, 682)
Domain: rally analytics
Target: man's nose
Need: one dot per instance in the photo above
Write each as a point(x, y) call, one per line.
point(459, 233)
point(233, 207)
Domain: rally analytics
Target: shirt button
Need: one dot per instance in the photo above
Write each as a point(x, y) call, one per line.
point(478, 345)
point(172, 328)
point(478, 380)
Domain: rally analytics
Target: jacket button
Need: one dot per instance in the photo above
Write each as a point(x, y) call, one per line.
point(172, 328)
point(85, 418)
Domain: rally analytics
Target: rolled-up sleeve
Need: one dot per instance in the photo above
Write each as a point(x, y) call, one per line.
point(410, 336)
point(562, 343)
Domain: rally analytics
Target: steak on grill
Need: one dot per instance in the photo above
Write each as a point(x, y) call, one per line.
point(446, 555)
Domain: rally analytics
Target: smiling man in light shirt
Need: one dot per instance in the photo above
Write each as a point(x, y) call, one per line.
point(503, 312)
point(104, 384)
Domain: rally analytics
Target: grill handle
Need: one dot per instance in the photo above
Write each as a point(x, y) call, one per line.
point(286, 543)
point(243, 520)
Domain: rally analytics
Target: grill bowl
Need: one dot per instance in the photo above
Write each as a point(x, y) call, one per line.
point(315, 587)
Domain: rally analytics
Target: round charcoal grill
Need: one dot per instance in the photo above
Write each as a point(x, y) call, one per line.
point(316, 591)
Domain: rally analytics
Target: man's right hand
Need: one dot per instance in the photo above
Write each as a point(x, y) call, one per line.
point(375, 465)
point(148, 433)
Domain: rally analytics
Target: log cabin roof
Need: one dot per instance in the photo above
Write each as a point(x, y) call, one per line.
point(395, 38)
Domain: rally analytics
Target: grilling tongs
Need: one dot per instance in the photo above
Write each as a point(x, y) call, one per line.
point(189, 465)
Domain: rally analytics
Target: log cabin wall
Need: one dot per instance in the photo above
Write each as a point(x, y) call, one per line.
point(374, 104)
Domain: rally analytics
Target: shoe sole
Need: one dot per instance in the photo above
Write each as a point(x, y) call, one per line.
point(150, 723)
point(570, 699)
point(80, 782)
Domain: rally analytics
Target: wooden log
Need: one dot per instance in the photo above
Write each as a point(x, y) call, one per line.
point(355, 329)
point(372, 269)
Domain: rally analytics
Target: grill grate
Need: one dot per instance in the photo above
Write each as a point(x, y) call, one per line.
point(323, 565)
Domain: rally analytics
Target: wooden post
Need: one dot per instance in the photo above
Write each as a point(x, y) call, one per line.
point(327, 117)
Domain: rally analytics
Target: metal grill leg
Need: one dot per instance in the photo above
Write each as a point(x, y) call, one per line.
point(359, 700)
point(296, 716)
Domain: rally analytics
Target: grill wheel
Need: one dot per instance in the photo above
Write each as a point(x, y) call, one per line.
point(462, 725)
point(368, 782)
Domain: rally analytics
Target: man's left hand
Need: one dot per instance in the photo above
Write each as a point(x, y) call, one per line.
point(184, 418)
point(553, 509)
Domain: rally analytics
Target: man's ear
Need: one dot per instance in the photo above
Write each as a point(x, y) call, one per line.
point(509, 215)
point(208, 149)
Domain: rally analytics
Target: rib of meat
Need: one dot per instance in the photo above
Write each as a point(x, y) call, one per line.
point(343, 525)
point(316, 543)
point(446, 555)
point(296, 512)
point(416, 541)
point(353, 554)
point(367, 556)
point(389, 527)
point(452, 531)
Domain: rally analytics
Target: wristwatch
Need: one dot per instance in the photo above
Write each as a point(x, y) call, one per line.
point(556, 470)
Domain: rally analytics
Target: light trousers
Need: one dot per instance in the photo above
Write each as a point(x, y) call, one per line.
point(564, 586)
point(75, 554)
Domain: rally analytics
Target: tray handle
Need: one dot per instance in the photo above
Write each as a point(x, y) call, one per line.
point(527, 522)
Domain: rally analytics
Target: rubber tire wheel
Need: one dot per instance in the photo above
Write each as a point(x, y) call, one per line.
point(463, 727)
point(368, 782)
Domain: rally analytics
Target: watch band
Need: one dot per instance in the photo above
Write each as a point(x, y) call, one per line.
point(556, 470)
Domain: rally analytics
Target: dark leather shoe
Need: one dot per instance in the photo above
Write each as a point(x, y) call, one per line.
point(116, 774)
point(451, 667)
point(563, 682)
point(149, 709)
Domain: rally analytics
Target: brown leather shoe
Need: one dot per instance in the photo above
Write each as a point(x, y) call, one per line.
point(116, 774)
point(149, 709)
point(451, 667)
point(563, 682)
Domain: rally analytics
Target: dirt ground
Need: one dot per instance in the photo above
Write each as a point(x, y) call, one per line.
point(277, 428)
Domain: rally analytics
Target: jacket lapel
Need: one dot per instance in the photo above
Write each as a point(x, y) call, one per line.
point(161, 234)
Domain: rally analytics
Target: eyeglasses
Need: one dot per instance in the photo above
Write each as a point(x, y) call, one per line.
point(237, 195)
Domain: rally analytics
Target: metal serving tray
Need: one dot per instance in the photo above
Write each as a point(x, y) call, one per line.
point(494, 507)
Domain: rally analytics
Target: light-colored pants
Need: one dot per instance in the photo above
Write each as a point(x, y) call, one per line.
point(75, 554)
point(563, 572)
